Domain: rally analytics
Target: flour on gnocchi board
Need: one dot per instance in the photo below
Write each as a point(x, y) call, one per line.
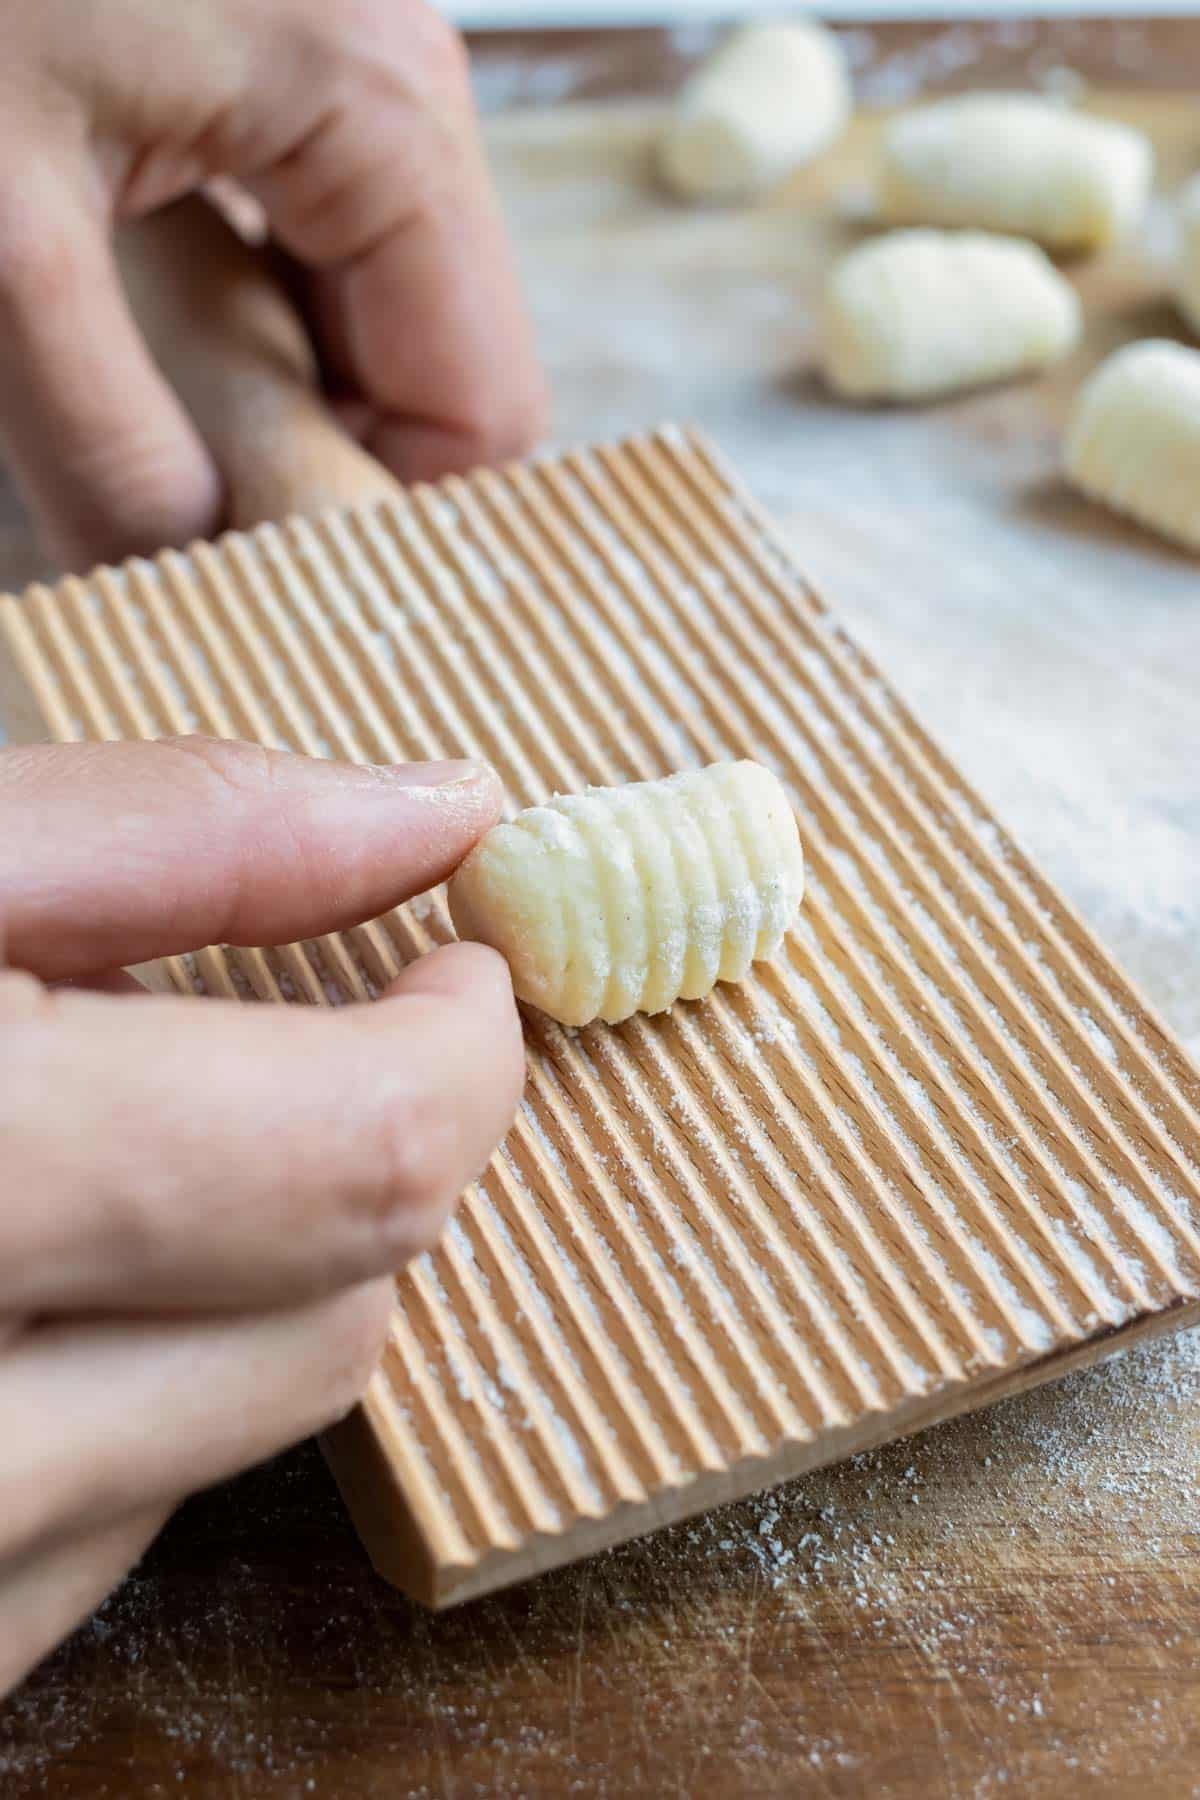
point(1048, 646)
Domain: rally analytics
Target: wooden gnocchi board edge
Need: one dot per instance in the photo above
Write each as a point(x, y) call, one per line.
point(366, 1478)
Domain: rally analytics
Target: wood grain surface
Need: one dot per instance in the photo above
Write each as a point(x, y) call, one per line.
point(1007, 1604)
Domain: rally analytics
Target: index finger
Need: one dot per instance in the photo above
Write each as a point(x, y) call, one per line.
point(391, 207)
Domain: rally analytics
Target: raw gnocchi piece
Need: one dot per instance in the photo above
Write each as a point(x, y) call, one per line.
point(1187, 268)
point(1134, 437)
point(768, 100)
point(919, 313)
point(1015, 163)
point(626, 899)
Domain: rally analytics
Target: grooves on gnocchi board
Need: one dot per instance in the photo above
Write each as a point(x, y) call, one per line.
point(938, 1151)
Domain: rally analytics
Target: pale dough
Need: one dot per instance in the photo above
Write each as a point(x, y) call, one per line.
point(1187, 266)
point(1134, 437)
point(625, 899)
point(1015, 163)
point(914, 314)
point(769, 99)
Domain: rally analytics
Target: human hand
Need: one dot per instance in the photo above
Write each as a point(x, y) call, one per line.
point(352, 125)
point(202, 1202)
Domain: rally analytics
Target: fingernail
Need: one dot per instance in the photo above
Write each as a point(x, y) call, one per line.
point(448, 774)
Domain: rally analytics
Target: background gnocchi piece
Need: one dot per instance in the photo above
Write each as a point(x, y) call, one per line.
point(1187, 266)
point(769, 99)
point(626, 899)
point(1015, 163)
point(915, 314)
point(1134, 437)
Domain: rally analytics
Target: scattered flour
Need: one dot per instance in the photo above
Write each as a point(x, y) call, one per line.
point(981, 1564)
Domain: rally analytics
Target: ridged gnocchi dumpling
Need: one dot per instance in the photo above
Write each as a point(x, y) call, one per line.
point(1015, 163)
point(626, 899)
point(915, 314)
point(1134, 437)
point(770, 98)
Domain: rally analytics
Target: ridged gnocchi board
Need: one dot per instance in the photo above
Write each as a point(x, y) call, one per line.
point(939, 1150)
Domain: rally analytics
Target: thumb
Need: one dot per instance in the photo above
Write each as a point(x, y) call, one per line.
point(108, 460)
point(116, 853)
